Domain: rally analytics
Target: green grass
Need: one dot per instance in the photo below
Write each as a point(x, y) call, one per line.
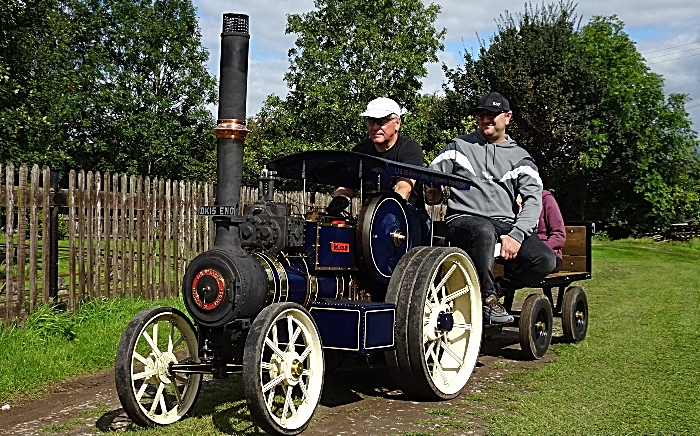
point(55, 345)
point(442, 412)
point(637, 372)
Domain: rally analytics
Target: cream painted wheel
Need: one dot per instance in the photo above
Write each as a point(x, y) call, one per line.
point(149, 392)
point(283, 369)
point(445, 323)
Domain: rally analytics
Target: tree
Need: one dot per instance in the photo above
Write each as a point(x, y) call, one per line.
point(426, 124)
point(147, 113)
point(347, 52)
point(34, 78)
point(641, 145)
point(591, 114)
point(131, 95)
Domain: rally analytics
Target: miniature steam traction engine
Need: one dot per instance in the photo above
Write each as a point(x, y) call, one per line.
point(279, 291)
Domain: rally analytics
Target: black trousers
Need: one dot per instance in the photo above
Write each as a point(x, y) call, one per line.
point(418, 225)
point(478, 237)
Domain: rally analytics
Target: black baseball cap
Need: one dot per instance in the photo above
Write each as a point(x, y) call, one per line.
point(494, 102)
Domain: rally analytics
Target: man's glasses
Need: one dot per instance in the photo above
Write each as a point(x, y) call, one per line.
point(489, 114)
point(381, 121)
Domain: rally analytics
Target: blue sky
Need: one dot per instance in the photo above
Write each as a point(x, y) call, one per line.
point(667, 33)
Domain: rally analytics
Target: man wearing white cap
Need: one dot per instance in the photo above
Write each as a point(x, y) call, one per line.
point(383, 118)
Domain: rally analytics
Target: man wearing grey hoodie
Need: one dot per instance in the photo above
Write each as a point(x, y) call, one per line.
point(479, 218)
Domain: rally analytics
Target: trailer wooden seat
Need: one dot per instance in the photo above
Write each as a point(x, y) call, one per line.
point(576, 260)
point(576, 264)
point(576, 256)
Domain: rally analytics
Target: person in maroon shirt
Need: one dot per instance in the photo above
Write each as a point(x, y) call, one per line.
point(550, 228)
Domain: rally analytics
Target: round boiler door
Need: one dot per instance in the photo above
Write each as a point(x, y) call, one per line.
point(208, 289)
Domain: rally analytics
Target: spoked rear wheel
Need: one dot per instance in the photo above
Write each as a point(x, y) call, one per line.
point(283, 367)
point(150, 394)
point(400, 293)
point(444, 326)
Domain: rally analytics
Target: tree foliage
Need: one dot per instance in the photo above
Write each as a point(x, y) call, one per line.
point(641, 145)
point(34, 79)
point(592, 115)
point(113, 85)
point(347, 52)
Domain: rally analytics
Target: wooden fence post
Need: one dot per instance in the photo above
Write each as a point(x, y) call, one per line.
point(80, 214)
point(46, 207)
point(21, 237)
point(92, 290)
point(34, 199)
point(138, 226)
point(9, 243)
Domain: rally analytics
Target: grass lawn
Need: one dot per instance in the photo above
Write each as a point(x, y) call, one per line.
point(55, 346)
point(637, 372)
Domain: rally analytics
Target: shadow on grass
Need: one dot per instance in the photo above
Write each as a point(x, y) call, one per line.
point(355, 379)
point(347, 381)
point(222, 399)
point(505, 344)
point(112, 421)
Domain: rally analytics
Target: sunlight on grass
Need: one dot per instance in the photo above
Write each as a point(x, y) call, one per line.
point(636, 372)
point(442, 412)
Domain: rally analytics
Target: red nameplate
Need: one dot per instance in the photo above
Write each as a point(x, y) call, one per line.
point(340, 247)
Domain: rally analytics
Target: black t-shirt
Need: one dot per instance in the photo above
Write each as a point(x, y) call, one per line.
point(404, 150)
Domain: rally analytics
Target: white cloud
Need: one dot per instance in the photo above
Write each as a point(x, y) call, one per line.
point(268, 43)
point(264, 79)
point(655, 25)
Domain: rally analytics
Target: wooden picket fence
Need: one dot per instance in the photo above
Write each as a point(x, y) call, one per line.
point(126, 235)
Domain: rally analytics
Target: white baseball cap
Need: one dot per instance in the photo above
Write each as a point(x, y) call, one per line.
point(381, 107)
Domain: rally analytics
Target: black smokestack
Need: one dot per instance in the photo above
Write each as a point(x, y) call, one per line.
point(231, 128)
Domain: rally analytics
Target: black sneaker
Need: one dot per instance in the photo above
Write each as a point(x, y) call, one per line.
point(495, 313)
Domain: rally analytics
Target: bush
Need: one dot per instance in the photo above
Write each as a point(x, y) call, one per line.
point(62, 225)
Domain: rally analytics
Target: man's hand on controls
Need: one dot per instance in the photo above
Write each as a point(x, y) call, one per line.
point(337, 205)
point(509, 247)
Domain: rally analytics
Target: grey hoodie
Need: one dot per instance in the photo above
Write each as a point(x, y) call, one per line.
point(498, 172)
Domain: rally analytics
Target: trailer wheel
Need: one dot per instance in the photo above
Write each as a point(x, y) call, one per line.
point(574, 314)
point(444, 323)
point(283, 368)
point(150, 394)
point(536, 321)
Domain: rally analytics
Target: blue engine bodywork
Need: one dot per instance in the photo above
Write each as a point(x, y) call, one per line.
point(337, 267)
point(359, 327)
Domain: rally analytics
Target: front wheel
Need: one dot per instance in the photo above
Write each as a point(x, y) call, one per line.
point(150, 394)
point(283, 367)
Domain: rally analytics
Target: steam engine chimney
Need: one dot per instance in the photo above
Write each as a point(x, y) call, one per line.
point(231, 128)
point(226, 283)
